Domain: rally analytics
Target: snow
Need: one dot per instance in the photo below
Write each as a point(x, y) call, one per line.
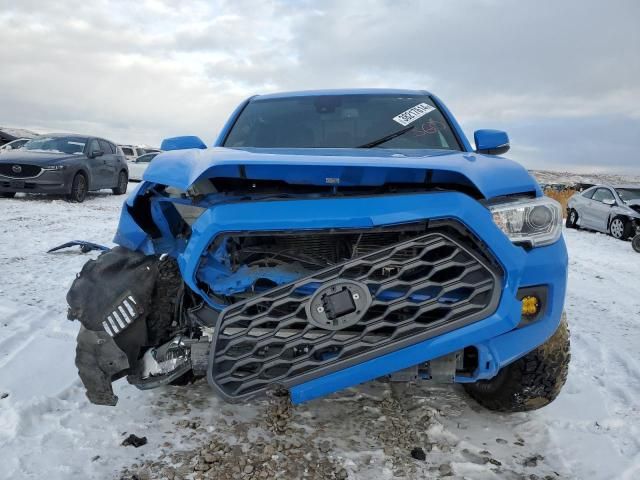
point(49, 429)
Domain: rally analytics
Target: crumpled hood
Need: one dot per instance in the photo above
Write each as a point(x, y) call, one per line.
point(492, 176)
point(34, 158)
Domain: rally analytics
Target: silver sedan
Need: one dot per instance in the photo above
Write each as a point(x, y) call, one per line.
point(605, 208)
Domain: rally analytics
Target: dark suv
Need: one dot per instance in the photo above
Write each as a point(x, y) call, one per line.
point(66, 164)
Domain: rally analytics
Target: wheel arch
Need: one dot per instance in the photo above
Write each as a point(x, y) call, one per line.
point(83, 171)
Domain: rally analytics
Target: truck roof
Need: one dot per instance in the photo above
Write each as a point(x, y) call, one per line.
point(341, 91)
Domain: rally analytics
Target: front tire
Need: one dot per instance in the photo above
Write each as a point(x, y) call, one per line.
point(619, 228)
point(531, 382)
point(79, 188)
point(121, 187)
point(635, 243)
point(572, 219)
point(8, 194)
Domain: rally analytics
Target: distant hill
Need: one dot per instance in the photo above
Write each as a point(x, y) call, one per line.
point(547, 177)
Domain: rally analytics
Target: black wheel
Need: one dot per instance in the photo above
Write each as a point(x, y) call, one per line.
point(572, 219)
point(79, 188)
point(635, 243)
point(620, 228)
point(8, 194)
point(530, 382)
point(121, 187)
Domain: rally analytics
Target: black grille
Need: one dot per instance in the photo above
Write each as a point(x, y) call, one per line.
point(19, 170)
point(419, 289)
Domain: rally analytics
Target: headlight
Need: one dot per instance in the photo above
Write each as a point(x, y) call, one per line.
point(53, 168)
point(537, 221)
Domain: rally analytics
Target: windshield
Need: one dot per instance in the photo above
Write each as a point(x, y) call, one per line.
point(628, 194)
point(343, 121)
point(68, 145)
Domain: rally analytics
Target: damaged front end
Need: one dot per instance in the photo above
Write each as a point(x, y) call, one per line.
point(264, 307)
point(259, 284)
point(128, 305)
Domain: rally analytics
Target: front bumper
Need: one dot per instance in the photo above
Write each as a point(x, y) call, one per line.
point(499, 337)
point(50, 182)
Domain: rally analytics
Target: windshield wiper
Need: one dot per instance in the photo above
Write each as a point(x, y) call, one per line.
point(386, 138)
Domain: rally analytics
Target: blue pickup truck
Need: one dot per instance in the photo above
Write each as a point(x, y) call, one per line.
point(326, 239)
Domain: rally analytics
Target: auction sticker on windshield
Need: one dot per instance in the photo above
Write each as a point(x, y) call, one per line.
point(414, 113)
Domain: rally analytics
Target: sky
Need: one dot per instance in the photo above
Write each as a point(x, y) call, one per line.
point(561, 77)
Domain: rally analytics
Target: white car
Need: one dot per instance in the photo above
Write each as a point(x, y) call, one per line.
point(606, 208)
point(139, 165)
point(132, 152)
point(14, 144)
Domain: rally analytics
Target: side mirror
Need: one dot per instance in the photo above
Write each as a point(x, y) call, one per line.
point(182, 143)
point(96, 153)
point(491, 142)
point(609, 201)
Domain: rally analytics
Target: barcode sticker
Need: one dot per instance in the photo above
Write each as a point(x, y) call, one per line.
point(414, 113)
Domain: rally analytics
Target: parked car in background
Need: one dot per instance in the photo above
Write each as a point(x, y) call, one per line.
point(14, 145)
point(64, 164)
point(139, 165)
point(605, 208)
point(132, 152)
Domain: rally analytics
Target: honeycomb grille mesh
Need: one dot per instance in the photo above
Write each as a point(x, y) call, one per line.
point(419, 288)
point(20, 170)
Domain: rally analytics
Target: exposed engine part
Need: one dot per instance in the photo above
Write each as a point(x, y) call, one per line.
point(241, 266)
point(318, 250)
point(164, 359)
point(161, 365)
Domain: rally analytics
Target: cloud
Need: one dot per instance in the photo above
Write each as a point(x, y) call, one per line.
point(554, 75)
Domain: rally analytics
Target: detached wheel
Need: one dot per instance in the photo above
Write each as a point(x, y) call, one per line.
point(530, 382)
point(79, 188)
point(635, 243)
point(619, 228)
point(8, 194)
point(121, 187)
point(572, 219)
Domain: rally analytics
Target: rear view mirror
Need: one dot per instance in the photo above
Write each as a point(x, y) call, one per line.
point(182, 143)
point(609, 201)
point(96, 153)
point(491, 142)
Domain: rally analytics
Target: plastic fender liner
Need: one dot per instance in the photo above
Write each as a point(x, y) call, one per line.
point(111, 298)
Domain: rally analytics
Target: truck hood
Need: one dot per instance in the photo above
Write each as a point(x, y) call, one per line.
point(492, 176)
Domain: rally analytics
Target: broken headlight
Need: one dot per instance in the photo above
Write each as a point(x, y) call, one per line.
point(189, 213)
point(536, 221)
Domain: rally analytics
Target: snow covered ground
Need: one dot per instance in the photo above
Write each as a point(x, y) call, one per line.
point(49, 430)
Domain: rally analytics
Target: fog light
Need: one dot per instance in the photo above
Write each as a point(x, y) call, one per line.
point(530, 305)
